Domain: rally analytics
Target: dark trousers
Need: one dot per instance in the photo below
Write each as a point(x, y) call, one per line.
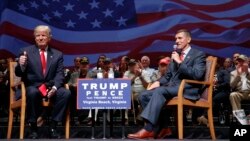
point(33, 100)
point(152, 102)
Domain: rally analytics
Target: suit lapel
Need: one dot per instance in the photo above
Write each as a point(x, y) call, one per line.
point(36, 58)
point(186, 60)
point(188, 57)
point(49, 60)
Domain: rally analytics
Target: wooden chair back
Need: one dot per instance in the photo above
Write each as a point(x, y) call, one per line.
point(17, 85)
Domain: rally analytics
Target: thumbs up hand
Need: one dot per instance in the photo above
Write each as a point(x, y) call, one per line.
point(23, 59)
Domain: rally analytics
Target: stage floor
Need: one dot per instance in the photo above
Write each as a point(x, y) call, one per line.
point(77, 139)
point(83, 132)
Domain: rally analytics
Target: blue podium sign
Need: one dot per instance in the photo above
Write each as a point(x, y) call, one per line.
point(104, 94)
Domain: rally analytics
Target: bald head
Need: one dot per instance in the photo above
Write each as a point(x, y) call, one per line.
point(145, 60)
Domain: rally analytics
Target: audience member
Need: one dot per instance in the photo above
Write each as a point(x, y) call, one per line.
point(123, 65)
point(162, 69)
point(139, 80)
point(228, 65)
point(76, 64)
point(4, 95)
point(83, 73)
point(221, 93)
point(240, 85)
point(235, 56)
point(145, 65)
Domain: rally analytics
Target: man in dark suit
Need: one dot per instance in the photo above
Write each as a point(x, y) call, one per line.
point(40, 65)
point(188, 64)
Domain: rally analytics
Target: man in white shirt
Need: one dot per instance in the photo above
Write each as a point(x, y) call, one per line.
point(144, 65)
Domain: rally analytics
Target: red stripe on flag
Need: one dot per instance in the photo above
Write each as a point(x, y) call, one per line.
point(6, 54)
point(113, 47)
point(215, 8)
point(146, 18)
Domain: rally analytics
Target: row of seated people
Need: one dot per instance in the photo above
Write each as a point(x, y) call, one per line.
point(138, 71)
point(231, 86)
point(82, 69)
point(130, 68)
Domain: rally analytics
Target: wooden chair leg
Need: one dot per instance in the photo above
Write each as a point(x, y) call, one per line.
point(180, 121)
point(11, 115)
point(67, 124)
point(22, 121)
point(211, 123)
point(133, 106)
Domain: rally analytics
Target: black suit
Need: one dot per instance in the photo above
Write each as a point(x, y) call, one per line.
point(33, 77)
point(222, 89)
point(193, 67)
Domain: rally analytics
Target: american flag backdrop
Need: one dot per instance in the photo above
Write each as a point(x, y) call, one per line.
point(126, 27)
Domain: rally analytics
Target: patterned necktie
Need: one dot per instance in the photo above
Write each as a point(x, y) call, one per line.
point(43, 62)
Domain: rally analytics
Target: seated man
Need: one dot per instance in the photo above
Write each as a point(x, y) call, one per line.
point(139, 81)
point(240, 85)
point(221, 91)
point(39, 65)
point(191, 64)
point(162, 69)
point(83, 72)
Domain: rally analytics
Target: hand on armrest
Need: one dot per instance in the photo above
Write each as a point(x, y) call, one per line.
point(154, 85)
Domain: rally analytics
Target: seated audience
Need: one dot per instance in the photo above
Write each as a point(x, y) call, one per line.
point(162, 69)
point(221, 93)
point(144, 65)
point(4, 95)
point(240, 85)
point(83, 73)
point(105, 65)
point(228, 65)
point(76, 65)
point(139, 80)
point(123, 65)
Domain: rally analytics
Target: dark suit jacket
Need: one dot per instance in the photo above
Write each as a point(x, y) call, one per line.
point(33, 76)
point(193, 67)
point(223, 84)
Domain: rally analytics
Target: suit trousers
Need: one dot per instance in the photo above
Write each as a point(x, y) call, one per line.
point(152, 101)
point(237, 97)
point(33, 100)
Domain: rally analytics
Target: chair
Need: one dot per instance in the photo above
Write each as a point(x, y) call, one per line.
point(204, 102)
point(16, 83)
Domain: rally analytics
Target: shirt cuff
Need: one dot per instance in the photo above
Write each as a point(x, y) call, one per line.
point(54, 87)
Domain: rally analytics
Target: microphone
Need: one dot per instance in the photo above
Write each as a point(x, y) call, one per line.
point(178, 51)
point(175, 47)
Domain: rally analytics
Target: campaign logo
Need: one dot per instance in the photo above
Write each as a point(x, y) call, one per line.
point(104, 94)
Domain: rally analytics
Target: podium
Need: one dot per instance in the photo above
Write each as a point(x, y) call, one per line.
point(105, 94)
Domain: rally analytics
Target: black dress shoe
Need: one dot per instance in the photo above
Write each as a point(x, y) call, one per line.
point(54, 134)
point(33, 135)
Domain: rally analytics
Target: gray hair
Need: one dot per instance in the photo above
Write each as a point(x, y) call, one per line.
point(145, 57)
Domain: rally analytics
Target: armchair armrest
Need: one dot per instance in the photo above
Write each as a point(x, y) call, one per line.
point(184, 81)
